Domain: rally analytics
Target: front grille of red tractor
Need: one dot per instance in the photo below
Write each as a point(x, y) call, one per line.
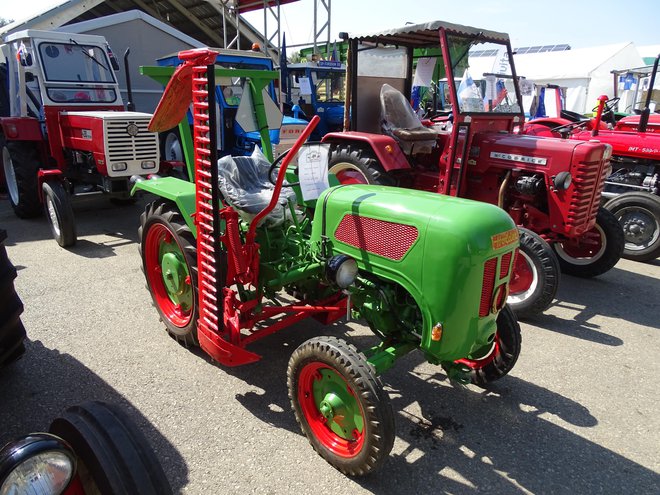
point(588, 183)
point(388, 239)
point(490, 281)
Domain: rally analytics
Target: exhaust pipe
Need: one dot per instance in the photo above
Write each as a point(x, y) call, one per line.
point(130, 106)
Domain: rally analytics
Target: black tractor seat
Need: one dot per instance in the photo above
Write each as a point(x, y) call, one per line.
point(245, 186)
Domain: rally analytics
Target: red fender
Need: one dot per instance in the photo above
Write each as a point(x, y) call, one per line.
point(385, 148)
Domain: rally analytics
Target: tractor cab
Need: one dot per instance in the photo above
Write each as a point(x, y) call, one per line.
point(51, 69)
point(316, 88)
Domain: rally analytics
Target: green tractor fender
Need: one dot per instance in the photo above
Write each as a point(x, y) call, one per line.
point(176, 190)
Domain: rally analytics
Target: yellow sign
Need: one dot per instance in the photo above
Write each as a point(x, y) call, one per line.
point(504, 238)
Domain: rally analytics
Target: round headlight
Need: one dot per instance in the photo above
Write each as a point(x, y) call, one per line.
point(39, 463)
point(562, 181)
point(341, 270)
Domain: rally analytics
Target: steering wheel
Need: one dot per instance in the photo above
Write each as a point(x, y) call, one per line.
point(272, 178)
point(439, 116)
point(334, 100)
point(566, 129)
point(609, 105)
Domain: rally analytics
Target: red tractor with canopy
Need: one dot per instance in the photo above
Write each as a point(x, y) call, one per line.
point(550, 187)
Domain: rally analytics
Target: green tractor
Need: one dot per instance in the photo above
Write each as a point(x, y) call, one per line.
point(241, 253)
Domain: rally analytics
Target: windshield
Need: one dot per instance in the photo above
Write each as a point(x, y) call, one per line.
point(484, 77)
point(329, 86)
point(74, 62)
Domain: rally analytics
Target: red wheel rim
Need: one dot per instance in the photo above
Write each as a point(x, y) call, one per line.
point(524, 279)
point(585, 249)
point(479, 363)
point(316, 381)
point(348, 173)
point(157, 236)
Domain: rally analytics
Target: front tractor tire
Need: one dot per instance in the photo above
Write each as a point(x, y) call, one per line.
point(499, 358)
point(535, 277)
point(20, 162)
point(340, 405)
point(113, 455)
point(59, 212)
point(169, 262)
point(639, 216)
point(596, 252)
point(353, 165)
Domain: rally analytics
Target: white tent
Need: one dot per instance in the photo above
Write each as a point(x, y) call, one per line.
point(584, 72)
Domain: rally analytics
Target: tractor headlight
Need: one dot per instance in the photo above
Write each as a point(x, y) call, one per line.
point(119, 166)
point(38, 463)
point(341, 270)
point(562, 181)
point(148, 164)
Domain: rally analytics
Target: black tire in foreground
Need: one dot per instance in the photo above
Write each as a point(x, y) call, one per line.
point(59, 212)
point(596, 252)
point(340, 404)
point(353, 165)
point(500, 358)
point(21, 164)
point(639, 216)
point(114, 457)
point(536, 276)
point(169, 262)
point(12, 332)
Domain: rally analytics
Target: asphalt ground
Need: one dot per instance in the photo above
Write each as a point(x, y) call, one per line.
point(578, 414)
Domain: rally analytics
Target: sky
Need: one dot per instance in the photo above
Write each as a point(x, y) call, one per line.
point(579, 23)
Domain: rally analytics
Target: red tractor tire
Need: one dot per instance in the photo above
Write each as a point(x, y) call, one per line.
point(21, 164)
point(163, 232)
point(535, 277)
point(354, 165)
point(639, 215)
point(596, 252)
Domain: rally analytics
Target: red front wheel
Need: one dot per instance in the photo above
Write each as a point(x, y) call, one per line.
point(169, 261)
point(535, 277)
point(596, 251)
point(497, 359)
point(340, 405)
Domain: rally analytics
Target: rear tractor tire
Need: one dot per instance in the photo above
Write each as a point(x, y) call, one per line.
point(498, 359)
point(57, 205)
point(354, 165)
point(596, 252)
point(21, 164)
point(169, 262)
point(340, 405)
point(639, 216)
point(535, 277)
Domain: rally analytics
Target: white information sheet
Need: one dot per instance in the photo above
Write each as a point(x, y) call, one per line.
point(313, 170)
point(305, 86)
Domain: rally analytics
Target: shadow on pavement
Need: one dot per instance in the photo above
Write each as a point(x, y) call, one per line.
point(44, 382)
point(499, 441)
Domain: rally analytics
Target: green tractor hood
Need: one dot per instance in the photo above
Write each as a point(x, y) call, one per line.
point(452, 255)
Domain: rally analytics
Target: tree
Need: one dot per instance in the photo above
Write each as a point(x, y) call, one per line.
point(4, 22)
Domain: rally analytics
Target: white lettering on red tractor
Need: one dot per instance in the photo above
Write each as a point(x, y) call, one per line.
point(518, 158)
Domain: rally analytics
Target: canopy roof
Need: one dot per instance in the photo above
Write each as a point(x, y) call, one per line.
point(426, 34)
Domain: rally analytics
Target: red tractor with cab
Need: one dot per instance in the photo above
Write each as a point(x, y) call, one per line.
point(551, 187)
point(633, 188)
point(63, 128)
